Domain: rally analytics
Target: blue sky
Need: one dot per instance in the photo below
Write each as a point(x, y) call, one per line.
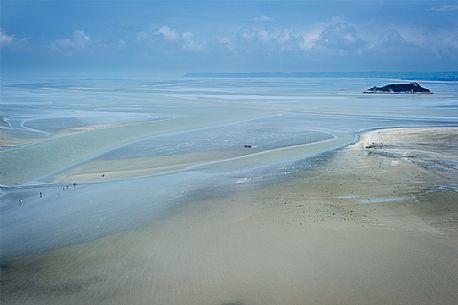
point(238, 36)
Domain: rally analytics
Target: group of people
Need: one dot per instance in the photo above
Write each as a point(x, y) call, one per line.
point(64, 188)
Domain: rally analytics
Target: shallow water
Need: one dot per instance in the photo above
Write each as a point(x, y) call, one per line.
point(66, 124)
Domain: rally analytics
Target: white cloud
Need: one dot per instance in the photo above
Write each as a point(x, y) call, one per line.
point(336, 35)
point(284, 35)
point(263, 35)
point(262, 18)
point(310, 37)
point(168, 33)
point(5, 39)
point(341, 36)
point(246, 33)
point(190, 43)
point(437, 40)
point(78, 40)
point(187, 40)
point(254, 38)
point(445, 8)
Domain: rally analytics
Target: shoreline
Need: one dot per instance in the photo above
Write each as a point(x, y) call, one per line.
point(366, 224)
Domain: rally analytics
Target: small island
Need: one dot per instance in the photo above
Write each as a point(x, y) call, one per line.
point(412, 88)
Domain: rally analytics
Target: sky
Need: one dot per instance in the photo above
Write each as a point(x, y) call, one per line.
point(171, 37)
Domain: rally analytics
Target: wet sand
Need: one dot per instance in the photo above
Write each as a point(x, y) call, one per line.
point(374, 223)
point(220, 160)
point(23, 165)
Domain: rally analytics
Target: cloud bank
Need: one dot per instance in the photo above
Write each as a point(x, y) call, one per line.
point(185, 40)
point(79, 40)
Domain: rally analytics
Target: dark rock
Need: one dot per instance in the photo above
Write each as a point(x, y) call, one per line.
point(399, 88)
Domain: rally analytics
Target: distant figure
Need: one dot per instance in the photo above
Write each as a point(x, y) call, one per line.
point(74, 184)
point(41, 195)
point(103, 175)
point(20, 202)
point(247, 146)
point(66, 187)
point(63, 188)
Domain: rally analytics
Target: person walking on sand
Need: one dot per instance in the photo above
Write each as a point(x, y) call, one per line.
point(20, 202)
point(41, 195)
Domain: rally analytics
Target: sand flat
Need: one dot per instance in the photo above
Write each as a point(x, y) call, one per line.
point(25, 164)
point(219, 160)
point(304, 240)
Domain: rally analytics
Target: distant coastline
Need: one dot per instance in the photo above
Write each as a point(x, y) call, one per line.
point(427, 76)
